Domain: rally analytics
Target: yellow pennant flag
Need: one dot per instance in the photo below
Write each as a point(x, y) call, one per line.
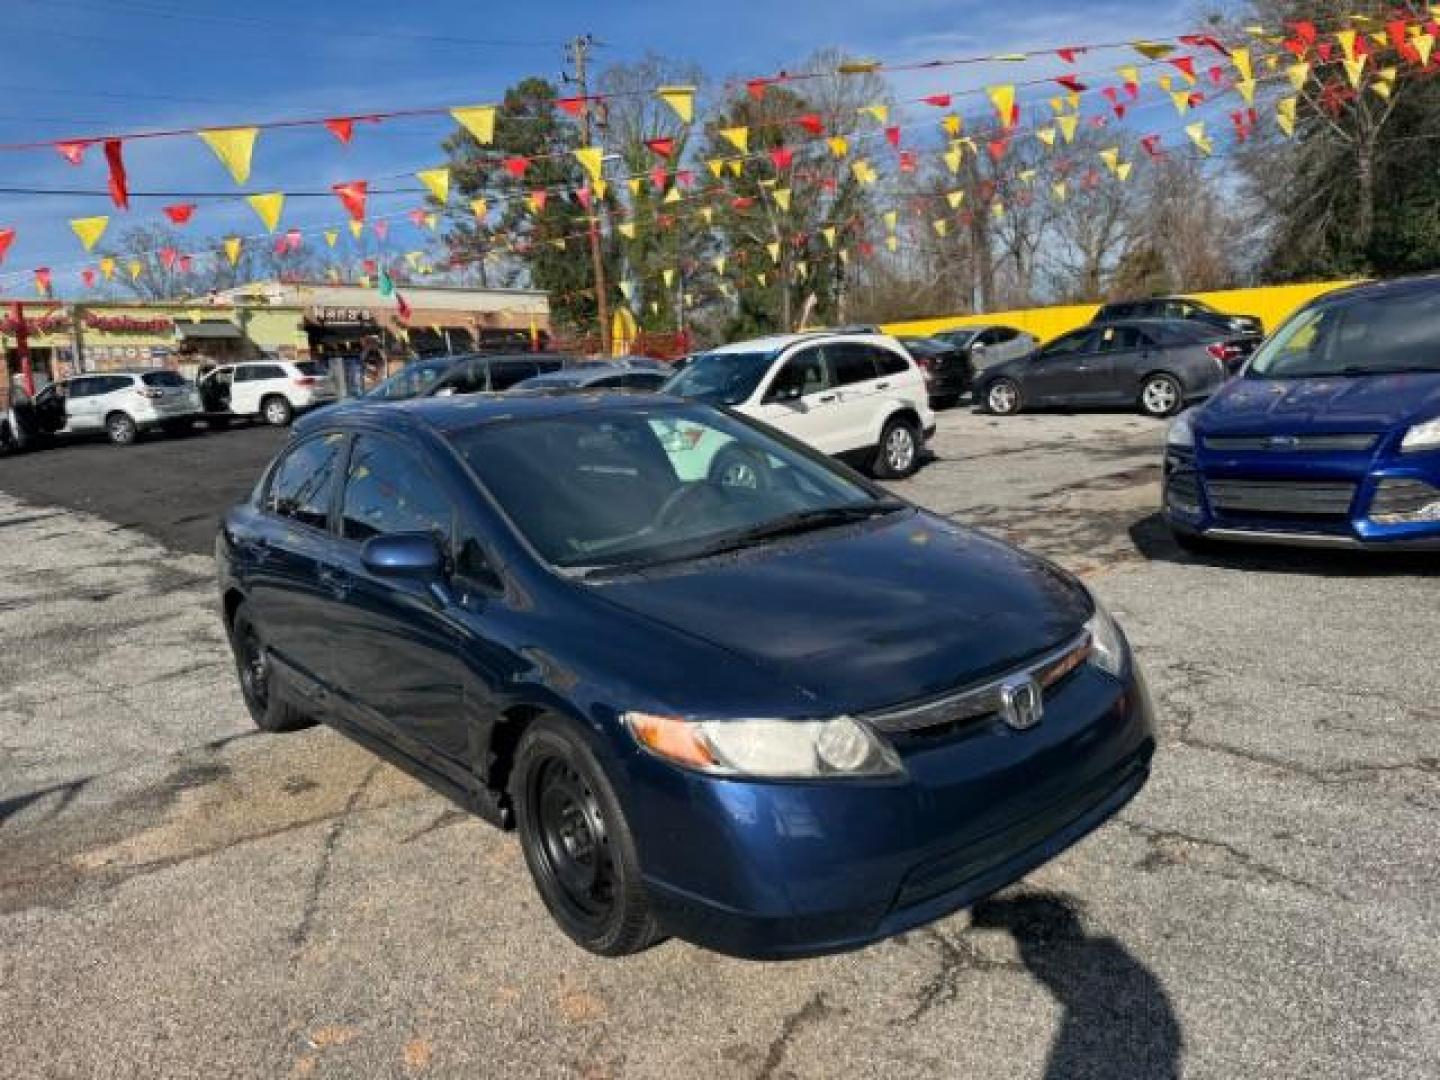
point(437, 182)
point(592, 159)
point(356, 228)
point(951, 124)
point(1424, 45)
point(719, 264)
point(136, 268)
point(716, 167)
point(1166, 83)
point(881, 113)
point(735, 165)
point(89, 230)
point(782, 198)
point(268, 208)
point(413, 258)
point(839, 145)
point(1355, 69)
point(480, 208)
point(634, 185)
point(1246, 88)
point(668, 276)
point(892, 243)
point(332, 237)
point(1059, 189)
point(107, 267)
point(536, 201)
point(232, 249)
point(829, 234)
point(1003, 98)
point(432, 220)
point(998, 208)
point(1298, 73)
point(774, 250)
point(1129, 74)
point(955, 198)
point(1111, 157)
point(672, 196)
point(1067, 125)
point(1027, 175)
point(953, 157)
point(600, 188)
point(1057, 105)
point(802, 269)
point(1152, 50)
point(1346, 38)
point(478, 120)
point(627, 229)
point(1047, 136)
point(761, 279)
point(1196, 131)
point(863, 172)
point(1241, 59)
point(891, 217)
point(844, 257)
point(708, 213)
point(1123, 171)
point(679, 98)
point(738, 137)
point(1182, 101)
point(234, 147)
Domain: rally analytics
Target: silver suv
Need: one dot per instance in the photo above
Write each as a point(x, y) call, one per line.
point(122, 404)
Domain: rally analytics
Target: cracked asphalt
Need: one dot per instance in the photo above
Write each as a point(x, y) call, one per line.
point(180, 896)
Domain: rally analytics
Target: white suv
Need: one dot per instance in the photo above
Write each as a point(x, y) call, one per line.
point(274, 390)
point(122, 404)
point(859, 397)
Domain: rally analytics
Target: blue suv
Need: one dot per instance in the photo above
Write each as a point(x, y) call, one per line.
point(773, 710)
point(1329, 437)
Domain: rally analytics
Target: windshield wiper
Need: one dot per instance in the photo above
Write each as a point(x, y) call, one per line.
point(802, 521)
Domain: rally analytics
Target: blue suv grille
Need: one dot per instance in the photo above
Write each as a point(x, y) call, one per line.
point(1273, 498)
point(1292, 443)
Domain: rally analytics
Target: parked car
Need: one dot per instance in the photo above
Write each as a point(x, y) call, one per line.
point(598, 376)
point(272, 390)
point(858, 397)
point(1245, 331)
point(1330, 436)
point(1154, 365)
point(949, 374)
point(121, 404)
point(752, 717)
point(494, 372)
point(411, 381)
point(989, 345)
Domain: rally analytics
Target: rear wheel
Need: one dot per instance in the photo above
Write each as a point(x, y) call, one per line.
point(120, 429)
point(1160, 395)
point(257, 679)
point(276, 411)
point(577, 842)
point(898, 454)
point(1002, 397)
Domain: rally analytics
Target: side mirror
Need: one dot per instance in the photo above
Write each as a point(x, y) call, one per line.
point(403, 555)
point(978, 349)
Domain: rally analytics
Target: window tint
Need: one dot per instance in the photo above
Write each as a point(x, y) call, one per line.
point(1117, 311)
point(851, 363)
point(302, 484)
point(1001, 334)
point(79, 388)
point(387, 491)
point(609, 382)
point(804, 373)
point(1120, 339)
point(1067, 345)
point(1373, 335)
point(258, 372)
point(889, 363)
point(506, 373)
point(163, 378)
point(644, 380)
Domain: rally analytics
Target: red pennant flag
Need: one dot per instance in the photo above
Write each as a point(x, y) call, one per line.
point(1120, 110)
point(186, 263)
point(685, 178)
point(998, 147)
point(828, 183)
point(1295, 47)
point(1151, 143)
point(571, 105)
point(742, 202)
point(1069, 55)
point(417, 218)
point(940, 101)
point(1111, 94)
point(1217, 74)
point(1071, 83)
point(88, 276)
point(892, 136)
point(402, 308)
point(659, 178)
point(781, 156)
point(352, 195)
point(516, 166)
point(583, 197)
point(663, 147)
point(1322, 49)
point(1399, 33)
point(1184, 64)
point(7, 237)
point(866, 248)
point(293, 240)
point(369, 266)
point(381, 228)
point(538, 198)
point(908, 161)
point(73, 152)
point(1304, 30)
point(179, 213)
point(342, 127)
point(42, 280)
point(119, 190)
point(1204, 41)
point(811, 123)
point(756, 88)
point(168, 255)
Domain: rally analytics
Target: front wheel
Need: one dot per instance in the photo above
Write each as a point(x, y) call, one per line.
point(1161, 396)
point(120, 429)
point(577, 842)
point(257, 678)
point(276, 411)
point(1002, 397)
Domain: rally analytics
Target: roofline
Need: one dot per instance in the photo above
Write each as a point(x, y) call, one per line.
point(263, 283)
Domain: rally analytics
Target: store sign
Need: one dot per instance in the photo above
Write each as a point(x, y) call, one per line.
point(342, 316)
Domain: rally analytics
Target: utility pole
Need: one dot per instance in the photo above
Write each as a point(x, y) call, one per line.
point(579, 50)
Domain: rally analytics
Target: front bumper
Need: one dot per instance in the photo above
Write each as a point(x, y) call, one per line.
point(781, 870)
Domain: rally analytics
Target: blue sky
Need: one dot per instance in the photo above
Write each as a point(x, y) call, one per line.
point(76, 68)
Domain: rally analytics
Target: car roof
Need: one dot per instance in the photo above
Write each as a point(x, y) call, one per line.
point(1378, 290)
point(776, 342)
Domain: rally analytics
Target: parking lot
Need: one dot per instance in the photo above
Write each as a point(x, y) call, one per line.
point(181, 896)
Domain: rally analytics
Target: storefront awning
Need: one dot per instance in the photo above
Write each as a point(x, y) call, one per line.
point(209, 331)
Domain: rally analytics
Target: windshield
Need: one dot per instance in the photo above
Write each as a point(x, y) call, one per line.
point(1377, 336)
point(409, 382)
point(621, 488)
point(724, 378)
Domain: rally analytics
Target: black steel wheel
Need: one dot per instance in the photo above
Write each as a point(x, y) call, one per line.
point(577, 843)
point(252, 663)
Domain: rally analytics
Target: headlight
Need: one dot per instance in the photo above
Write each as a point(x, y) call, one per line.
point(769, 749)
point(1107, 644)
point(1424, 436)
point(1182, 431)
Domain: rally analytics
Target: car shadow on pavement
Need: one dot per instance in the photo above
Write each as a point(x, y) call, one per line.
point(1117, 1019)
point(1152, 539)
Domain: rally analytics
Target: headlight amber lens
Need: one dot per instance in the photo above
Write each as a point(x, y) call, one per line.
point(768, 749)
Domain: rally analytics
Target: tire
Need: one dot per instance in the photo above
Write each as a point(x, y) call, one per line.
point(121, 429)
point(276, 411)
point(252, 666)
point(1002, 397)
point(576, 842)
point(737, 468)
point(1161, 395)
point(898, 454)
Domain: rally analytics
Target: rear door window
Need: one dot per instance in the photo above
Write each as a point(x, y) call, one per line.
point(889, 363)
point(1120, 339)
point(851, 363)
point(171, 379)
point(1072, 344)
point(506, 373)
point(388, 491)
point(304, 481)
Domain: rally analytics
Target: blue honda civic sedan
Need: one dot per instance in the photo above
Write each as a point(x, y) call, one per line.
point(777, 715)
point(1330, 436)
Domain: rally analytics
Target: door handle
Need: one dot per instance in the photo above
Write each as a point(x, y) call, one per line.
point(882, 386)
point(825, 399)
point(337, 581)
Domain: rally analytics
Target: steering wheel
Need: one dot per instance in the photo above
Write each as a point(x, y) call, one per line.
point(669, 509)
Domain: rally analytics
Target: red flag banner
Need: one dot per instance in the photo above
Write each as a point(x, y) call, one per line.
point(119, 186)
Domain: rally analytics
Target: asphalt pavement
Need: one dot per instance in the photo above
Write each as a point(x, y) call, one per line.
point(180, 896)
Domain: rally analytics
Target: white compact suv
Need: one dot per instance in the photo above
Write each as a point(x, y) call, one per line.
point(122, 404)
point(274, 390)
point(858, 397)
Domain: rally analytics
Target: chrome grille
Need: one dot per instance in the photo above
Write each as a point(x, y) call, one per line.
point(1308, 498)
point(1292, 444)
point(981, 699)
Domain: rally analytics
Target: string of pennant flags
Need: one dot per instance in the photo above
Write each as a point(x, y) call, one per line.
point(1194, 72)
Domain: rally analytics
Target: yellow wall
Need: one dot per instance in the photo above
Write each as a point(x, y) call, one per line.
point(1272, 305)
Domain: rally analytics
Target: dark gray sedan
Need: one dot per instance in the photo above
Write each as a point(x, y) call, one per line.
point(1153, 365)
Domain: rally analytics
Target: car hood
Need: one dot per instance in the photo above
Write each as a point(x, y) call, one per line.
point(1358, 403)
point(867, 616)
